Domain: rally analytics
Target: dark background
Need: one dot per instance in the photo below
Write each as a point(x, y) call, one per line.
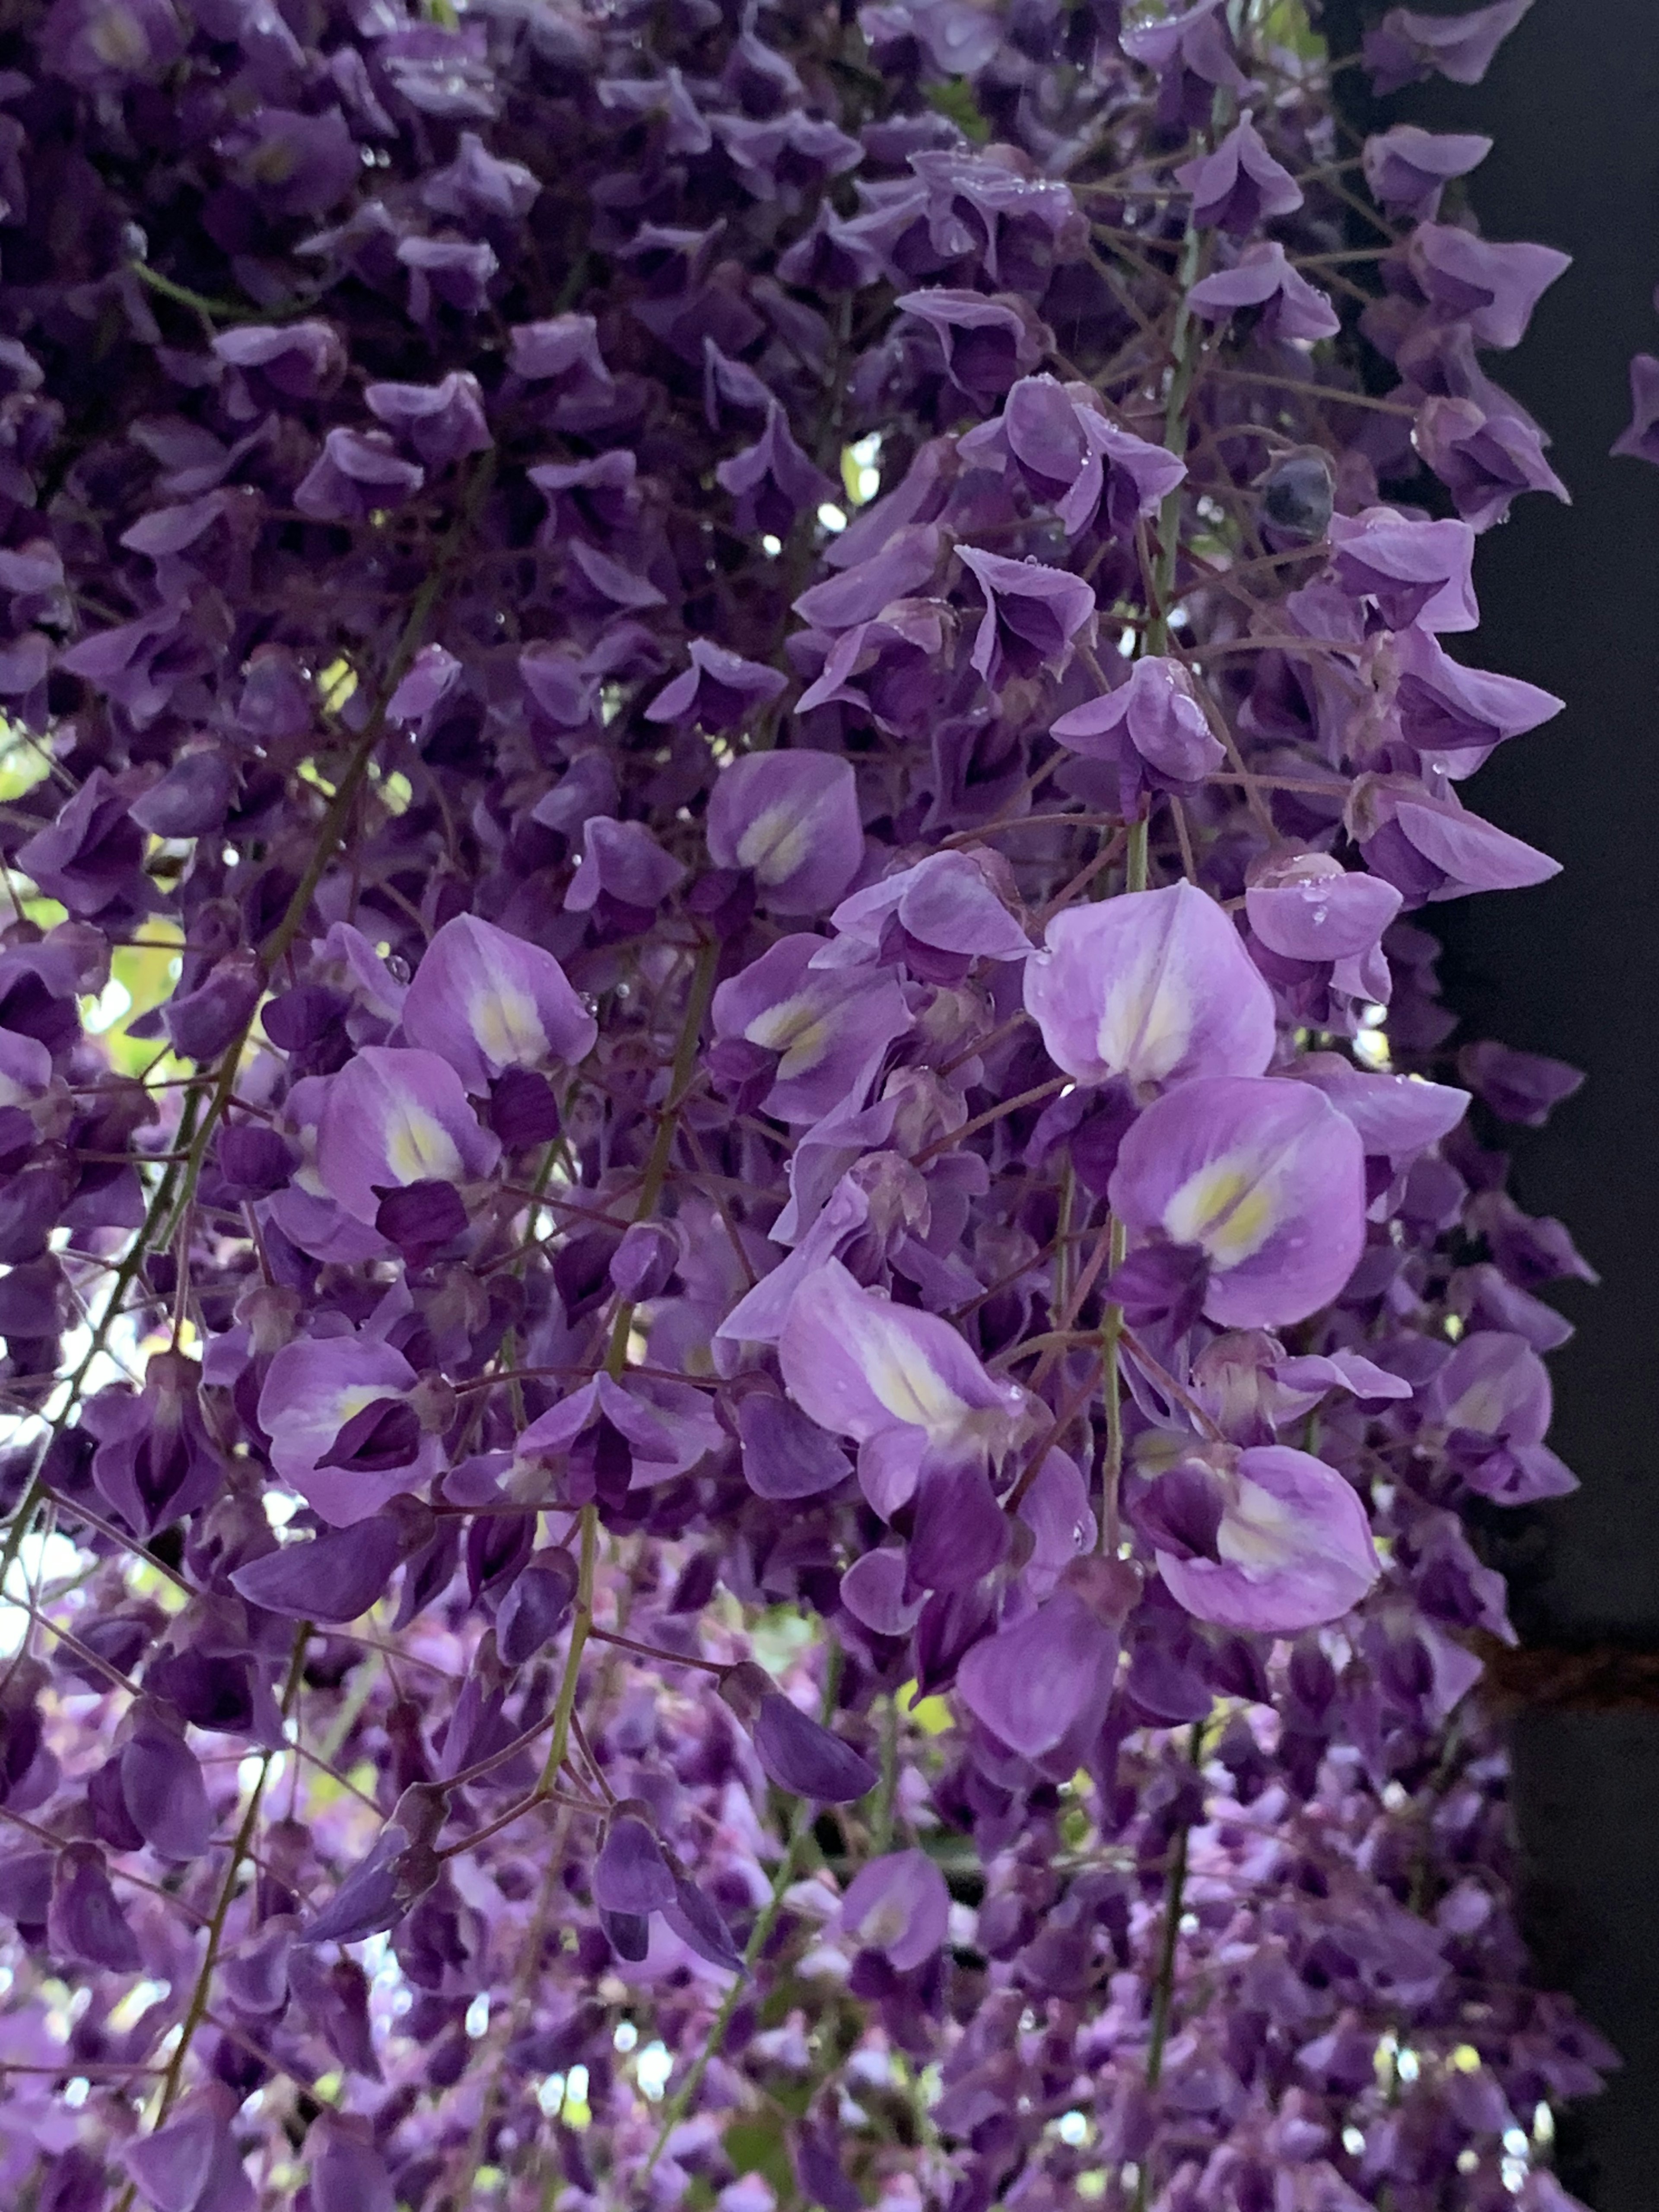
point(1569, 599)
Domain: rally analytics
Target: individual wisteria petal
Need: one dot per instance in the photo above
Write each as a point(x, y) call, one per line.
point(630, 1874)
point(398, 1870)
point(904, 565)
point(986, 343)
point(397, 1117)
point(348, 2174)
point(864, 1368)
point(1415, 572)
point(343, 1431)
point(1154, 987)
point(793, 819)
point(1265, 1177)
point(85, 1921)
point(1432, 848)
point(1151, 729)
point(537, 1606)
point(162, 1788)
point(1410, 43)
point(800, 1755)
point(1292, 308)
point(1640, 441)
point(1493, 1397)
point(1033, 615)
point(875, 1590)
point(945, 906)
point(899, 1906)
point(721, 691)
point(1455, 715)
point(1291, 1547)
point(1397, 1116)
point(1522, 1087)
point(785, 1455)
point(334, 1577)
point(1045, 1681)
point(485, 1002)
point(700, 1927)
point(818, 1034)
point(1408, 168)
point(643, 1262)
point(189, 2164)
point(1239, 185)
point(1308, 907)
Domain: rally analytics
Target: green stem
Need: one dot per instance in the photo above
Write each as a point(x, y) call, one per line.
point(1184, 356)
point(1164, 1983)
point(581, 1627)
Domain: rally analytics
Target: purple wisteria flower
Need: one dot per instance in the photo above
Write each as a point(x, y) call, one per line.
point(1416, 573)
point(720, 690)
point(986, 345)
point(792, 820)
point(344, 1427)
point(1640, 442)
point(814, 1035)
point(1410, 43)
point(486, 1002)
point(1070, 454)
point(1151, 729)
point(1041, 1684)
point(1154, 987)
point(900, 1906)
point(903, 1385)
point(1033, 615)
point(357, 473)
point(1267, 1541)
point(394, 1118)
point(1240, 185)
point(938, 918)
point(1408, 168)
point(1290, 308)
point(1264, 1178)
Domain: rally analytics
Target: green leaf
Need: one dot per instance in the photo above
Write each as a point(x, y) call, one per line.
point(955, 97)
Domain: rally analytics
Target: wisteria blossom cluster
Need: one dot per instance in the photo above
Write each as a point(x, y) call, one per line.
point(754, 1335)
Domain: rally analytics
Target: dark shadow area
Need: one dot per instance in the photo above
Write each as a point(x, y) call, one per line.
point(1569, 599)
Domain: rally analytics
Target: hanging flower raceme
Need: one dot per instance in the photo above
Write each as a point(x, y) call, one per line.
point(748, 1317)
